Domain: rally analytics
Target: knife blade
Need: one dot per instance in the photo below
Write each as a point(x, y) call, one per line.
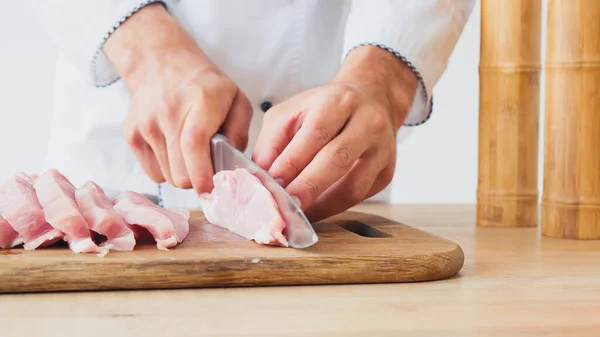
point(299, 231)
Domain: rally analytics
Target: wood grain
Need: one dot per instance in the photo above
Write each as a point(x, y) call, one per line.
point(571, 198)
point(513, 283)
point(214, 257)
point(509, 71)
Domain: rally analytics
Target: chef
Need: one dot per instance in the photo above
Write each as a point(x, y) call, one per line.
point(318, 93)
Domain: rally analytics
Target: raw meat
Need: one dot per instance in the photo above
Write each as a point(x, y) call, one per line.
point(19, 206)
point(57, 197)
point(167, 226)
point(8, 236)
point(39, 211)
point(98, 211)
point(240, 203)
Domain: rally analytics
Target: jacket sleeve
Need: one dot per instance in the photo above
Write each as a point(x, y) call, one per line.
point(80, 27)
point(421, 33)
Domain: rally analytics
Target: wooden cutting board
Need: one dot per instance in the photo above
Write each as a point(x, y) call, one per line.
point(352, 248)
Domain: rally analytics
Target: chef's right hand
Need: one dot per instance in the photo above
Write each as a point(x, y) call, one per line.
point(179, 99)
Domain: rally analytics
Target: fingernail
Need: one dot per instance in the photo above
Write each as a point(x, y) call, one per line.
point(279, 181)
point(297, 201)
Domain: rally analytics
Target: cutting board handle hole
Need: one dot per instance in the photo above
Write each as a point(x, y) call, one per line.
point(362, 229)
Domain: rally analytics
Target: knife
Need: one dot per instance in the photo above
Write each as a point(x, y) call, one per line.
point(299, 231)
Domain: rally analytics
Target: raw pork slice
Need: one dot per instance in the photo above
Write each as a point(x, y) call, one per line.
point(167, 226)
point(19, 206)
point(57, 197)
point(98, 211)
point(240, 203)
point(8, 236)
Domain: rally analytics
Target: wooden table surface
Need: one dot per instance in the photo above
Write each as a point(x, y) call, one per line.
point(514, 283)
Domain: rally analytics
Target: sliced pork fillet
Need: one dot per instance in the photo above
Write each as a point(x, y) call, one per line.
point(98, 211)
point(9, 238)
point(20, 207)
point(240, 203)
point(57, 198)
point(167, 226)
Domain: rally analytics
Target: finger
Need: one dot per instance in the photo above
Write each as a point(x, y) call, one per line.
point(384, 178)
point(317, 130)
point(330, 164)
point(150, 165)
point(153, 136)
point(179, 173)
point(237, 123)
point(144, 155)
point(279, 125)
point(197, 131)
point(171, 125)
point(346, 192)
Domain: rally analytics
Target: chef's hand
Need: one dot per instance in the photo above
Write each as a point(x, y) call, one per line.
point(335, 145)
point(179, 99)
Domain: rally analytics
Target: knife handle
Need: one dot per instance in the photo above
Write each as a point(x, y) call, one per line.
point(216, 156)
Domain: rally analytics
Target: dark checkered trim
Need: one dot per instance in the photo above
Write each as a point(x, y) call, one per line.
point(112, 30)
point(160, 198)
point(411, 66)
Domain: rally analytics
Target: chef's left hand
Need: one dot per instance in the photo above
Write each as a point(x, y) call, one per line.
point(335, 145)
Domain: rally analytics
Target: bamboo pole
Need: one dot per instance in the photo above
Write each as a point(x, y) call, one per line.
point(571, 198)
point(507, 191)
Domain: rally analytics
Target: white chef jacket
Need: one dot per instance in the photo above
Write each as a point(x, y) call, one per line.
point(272, 49)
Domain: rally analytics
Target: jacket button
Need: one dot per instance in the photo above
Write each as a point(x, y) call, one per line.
point(264, 106)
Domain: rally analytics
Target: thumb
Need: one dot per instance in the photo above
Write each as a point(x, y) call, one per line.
point(237, 122)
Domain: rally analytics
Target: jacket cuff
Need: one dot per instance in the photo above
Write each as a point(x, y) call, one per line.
point(421, 108)
point(421, 34)
point(102, 71)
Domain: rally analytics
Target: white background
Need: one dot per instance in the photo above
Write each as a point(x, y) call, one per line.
point(437, 164)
